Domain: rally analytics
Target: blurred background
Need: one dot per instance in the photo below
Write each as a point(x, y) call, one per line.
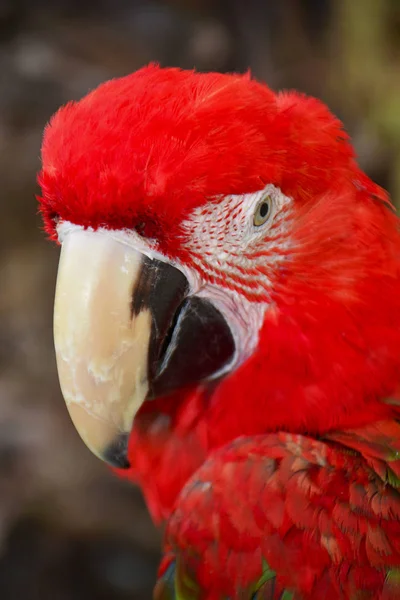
point(68, 529)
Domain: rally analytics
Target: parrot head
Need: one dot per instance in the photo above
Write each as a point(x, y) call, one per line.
point(216, 236)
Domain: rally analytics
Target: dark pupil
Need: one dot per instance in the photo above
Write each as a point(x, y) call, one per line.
point(264, 209)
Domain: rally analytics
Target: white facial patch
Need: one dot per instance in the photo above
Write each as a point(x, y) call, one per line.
point(230, 249)
point(236, 259)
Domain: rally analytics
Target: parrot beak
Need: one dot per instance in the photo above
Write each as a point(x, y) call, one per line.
point(102, 335)
point(123, 331)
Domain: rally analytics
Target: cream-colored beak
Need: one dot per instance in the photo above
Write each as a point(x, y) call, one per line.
point(101, 344)
point(127, 329)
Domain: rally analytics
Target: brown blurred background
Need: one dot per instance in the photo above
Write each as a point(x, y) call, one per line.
point(68, 529)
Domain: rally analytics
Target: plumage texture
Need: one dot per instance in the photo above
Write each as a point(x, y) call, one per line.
point(281, 479)
point(313, 517)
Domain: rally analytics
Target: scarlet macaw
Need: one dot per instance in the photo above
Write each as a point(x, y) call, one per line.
point(228, 301)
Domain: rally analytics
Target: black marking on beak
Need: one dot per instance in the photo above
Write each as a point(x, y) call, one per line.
point(198, 345)
point(190, 339)
point(116, 455)
point(160, 287)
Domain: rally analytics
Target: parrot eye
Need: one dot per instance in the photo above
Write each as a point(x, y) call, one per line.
point(263, 211)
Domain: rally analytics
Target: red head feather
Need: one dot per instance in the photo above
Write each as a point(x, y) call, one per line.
point(144, 150)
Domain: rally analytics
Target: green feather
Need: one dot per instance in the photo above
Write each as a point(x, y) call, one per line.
point(185, 586)
point(266, 576)
point(287, 595)
point(261, 588)
point(392, 478)
point(391, 587)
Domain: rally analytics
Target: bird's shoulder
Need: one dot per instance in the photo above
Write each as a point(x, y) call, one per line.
point(289, 514)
